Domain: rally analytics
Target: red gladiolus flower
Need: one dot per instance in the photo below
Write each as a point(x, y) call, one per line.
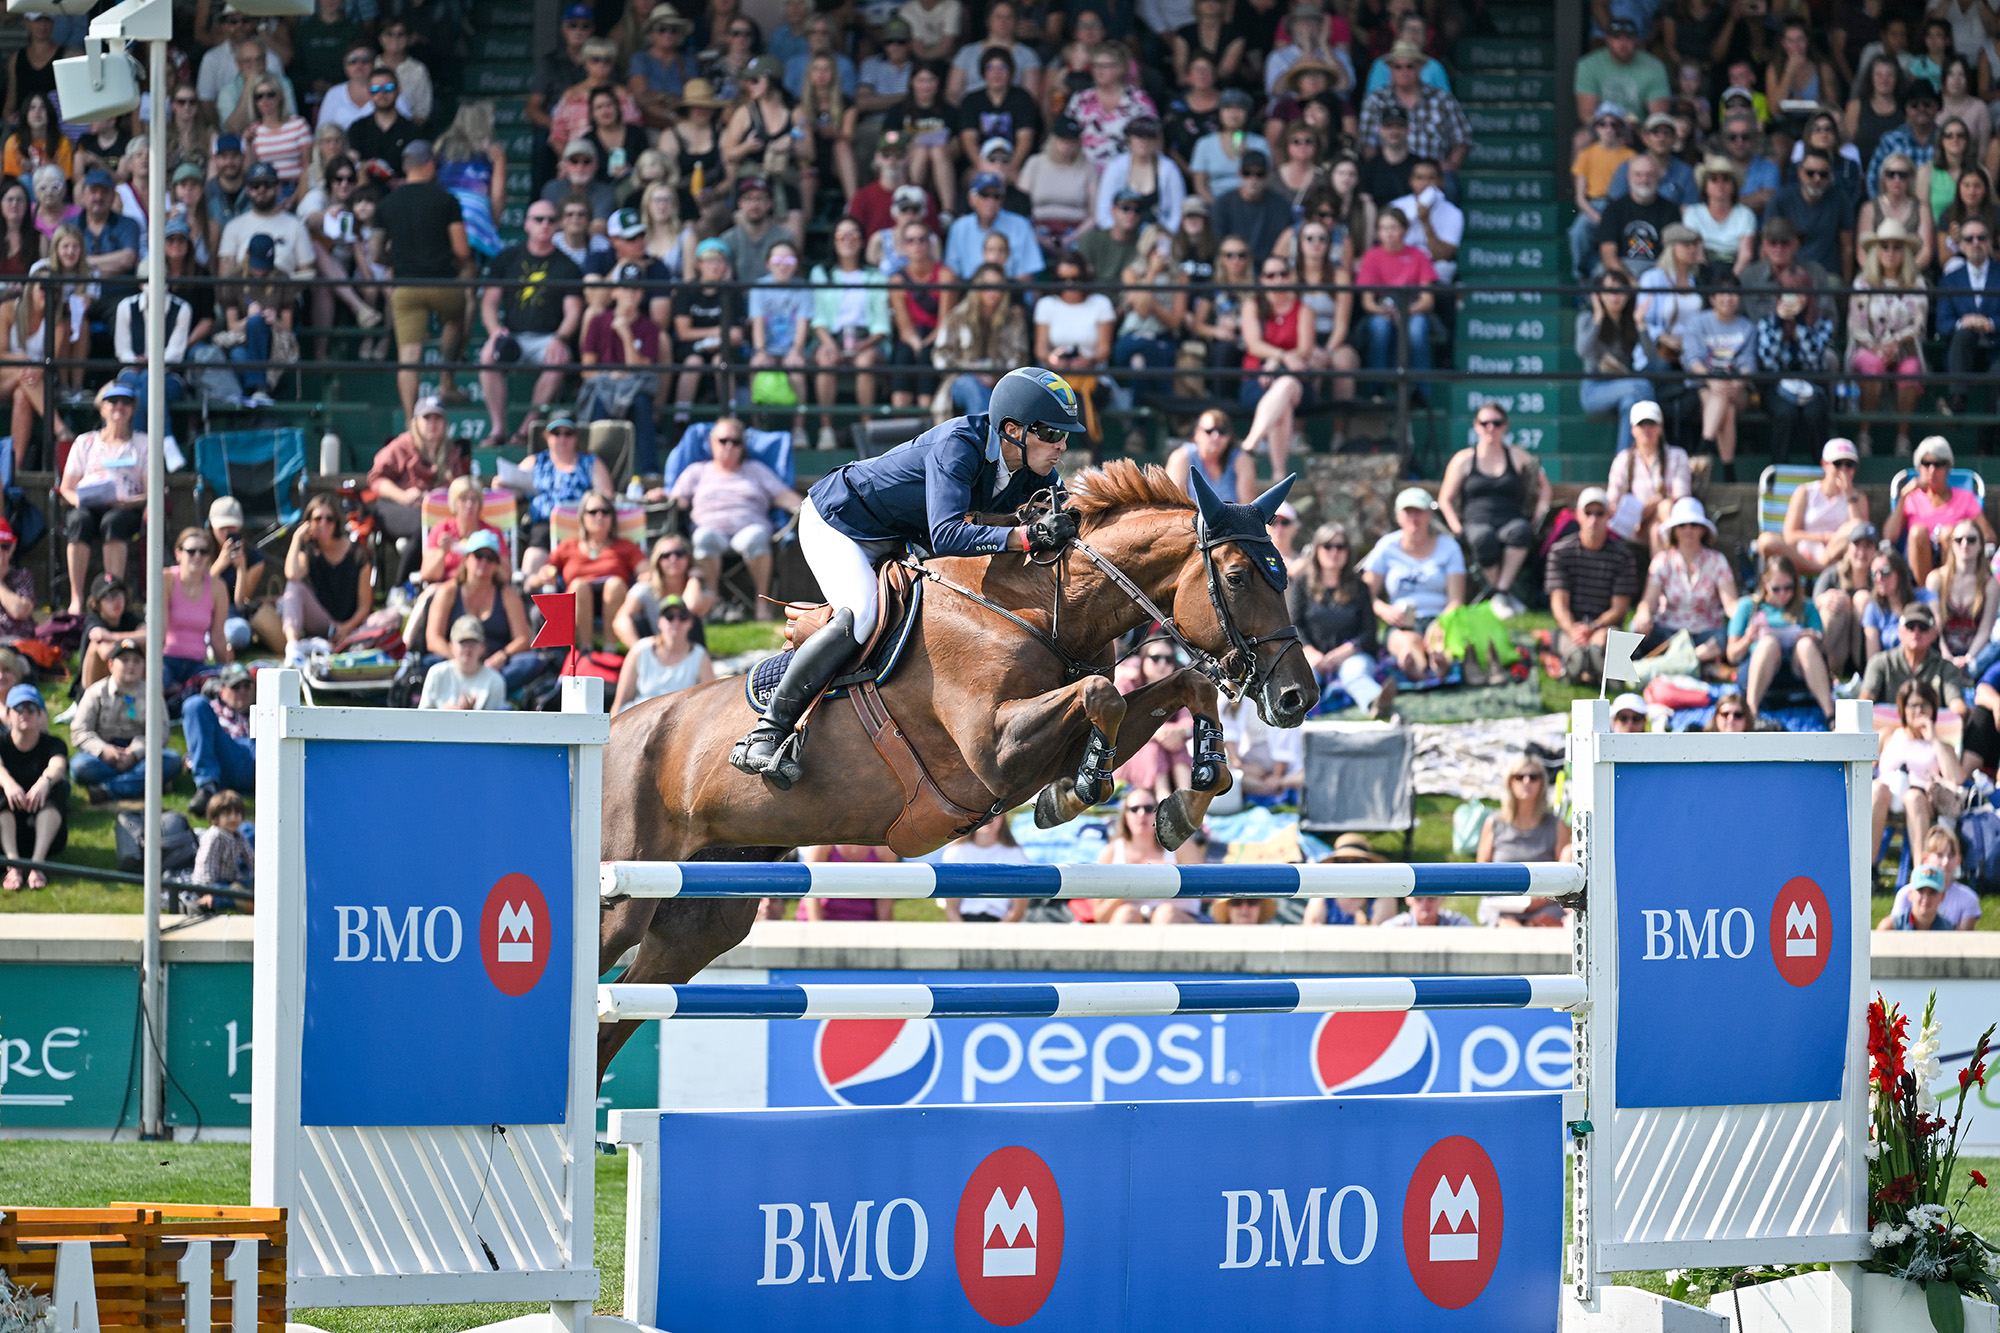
point(1979, 1180)
point(1899, 1190)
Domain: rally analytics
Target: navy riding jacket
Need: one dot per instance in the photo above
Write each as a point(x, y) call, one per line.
point(922, 491)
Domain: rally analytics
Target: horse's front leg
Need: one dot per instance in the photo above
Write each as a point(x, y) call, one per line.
point(1034, 734)
point(1181, 813)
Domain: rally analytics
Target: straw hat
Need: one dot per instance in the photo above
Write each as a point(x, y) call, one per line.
point(700, 92)
point(1888, 232)
point(1290, 82)
point(1352, 847)
point(1717, 166)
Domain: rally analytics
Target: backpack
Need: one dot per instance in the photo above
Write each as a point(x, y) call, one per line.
point(1979, 840)
point(176, 842)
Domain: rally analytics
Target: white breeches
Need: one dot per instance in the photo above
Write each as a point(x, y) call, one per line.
point(846, 574)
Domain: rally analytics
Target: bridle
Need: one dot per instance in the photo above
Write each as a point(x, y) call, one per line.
point(1236, 673)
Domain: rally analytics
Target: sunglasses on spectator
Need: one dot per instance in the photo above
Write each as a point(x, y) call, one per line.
point(1883, 571)
point(263, 185)
point(596, 511)
point(1844, 464)
point(1930, 463)
point(1235, 254)
point(1333, 546)
point(1211, 430)
point(1491, 423)
point(669, 617)
point(1970, 539)
point(1970, 236)
point(564, 432)
point(1535, 778)
point(725, 439)
point(1895, 174)
point(1725, 714)
point(597, 60)
point(1140, 809)
point(197, 548)
point(267, 95)
point(547, 219)
point(1738, 137)
point(357, 60)
point(482, 554)
point(678, 553)
point(184, 101)
point(1811, 174)
point(342, 178)
point(1277, 273)
point(381, 87)
point(1282, 522)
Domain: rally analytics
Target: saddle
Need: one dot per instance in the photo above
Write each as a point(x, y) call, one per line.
point(929, 817)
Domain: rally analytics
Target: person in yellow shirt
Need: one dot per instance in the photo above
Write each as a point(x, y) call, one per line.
point(1592, 171)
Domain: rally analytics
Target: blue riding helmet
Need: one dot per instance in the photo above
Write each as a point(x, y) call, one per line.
point(1033, 397)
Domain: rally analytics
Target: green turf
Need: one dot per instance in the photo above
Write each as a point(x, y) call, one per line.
point(41, 1174)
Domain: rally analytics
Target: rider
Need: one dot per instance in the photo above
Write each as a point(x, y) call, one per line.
point(923, 492)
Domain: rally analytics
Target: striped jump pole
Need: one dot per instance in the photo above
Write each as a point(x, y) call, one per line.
point(917, 879)
point(1088, 999)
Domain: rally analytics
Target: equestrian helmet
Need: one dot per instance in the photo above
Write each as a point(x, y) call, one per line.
point(1033, 397)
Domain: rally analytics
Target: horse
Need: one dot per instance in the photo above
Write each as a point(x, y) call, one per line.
point(1003, 690)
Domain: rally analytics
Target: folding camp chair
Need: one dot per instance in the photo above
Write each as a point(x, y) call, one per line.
point(264, 469)
point(772, 448)
point(628, 524)
point(499, 509)
point(1962, 478)
point(1774, 492)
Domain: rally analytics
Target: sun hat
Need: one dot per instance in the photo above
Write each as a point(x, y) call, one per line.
point(700, 92)
point(1887, 232)
point(1687, 509)
point(1353, 847)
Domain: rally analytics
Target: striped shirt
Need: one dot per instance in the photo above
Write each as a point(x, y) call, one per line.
point(284, 148)
point(1593, 579)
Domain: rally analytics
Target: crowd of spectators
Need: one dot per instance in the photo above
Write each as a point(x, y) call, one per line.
point(1823, 153)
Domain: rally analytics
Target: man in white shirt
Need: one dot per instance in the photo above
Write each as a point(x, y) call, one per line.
point(294, 253)
point(1436, 224)
point(218, 65)
point(463, 680)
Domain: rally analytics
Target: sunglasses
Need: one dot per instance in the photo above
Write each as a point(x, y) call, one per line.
point(1333, 546)
point(484, 554)
point(1738, 138)
point(267, 96)
point(1235, 254)
point(263, 185)
point(1140, 809)
point(342, 178)
point(1846, 464)
point(1277, 273)
point(1969, 237)
point(1965, 541)
point(1490, 423)
point(1528, 777)
point(1282, 522)
point(597, 512)
point(1812, 175)
point(389, 87)
point(675, 554)
point(544, 219)
point(197, 550)
point(670, 617)
point(1931, 463)
point(1732, 713)
point(564, 432)
point(184, 101)
point(1892, 173)
point(741, 32)
point(725, 439)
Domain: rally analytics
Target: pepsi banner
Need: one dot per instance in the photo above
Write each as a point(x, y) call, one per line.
point(1732, 904)
point(921, 1061)
point(438, 945)
point(1430, 1213)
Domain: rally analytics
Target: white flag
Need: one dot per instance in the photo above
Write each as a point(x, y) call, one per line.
point(1618, 646)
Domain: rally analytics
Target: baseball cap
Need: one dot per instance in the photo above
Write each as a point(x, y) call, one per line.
point(1236, 97)
point(909, 196)
point(752, 185)
point(626, 225)
point(104, 583)
point(580, 147)
point(1067, 128)
point(483, 540)
point(561, 421)
point(1867, 532)
point(714, 245)
point(1610, 111)
point(1628, 703)
point(128, 645)
point(25, 694)
point(1919, 614)
point(1659, 118)
point(1738, 93)
point(6, 532)
point(1414, 497)
point(765, 67)
point(99, 176)
point(120, 389)
point(996, 144)
point(430, 405)
point(892, 144)
point(1592, 495)
point(1146, 126)
point(1923, 877)
point(987, 181)
point(895, 30)
point(186, 171)
point(1781, 229)
point(1393, 115)
point(1196, 205)
point(1128, 197)
point(228, 143)
point(227, 511)
point(467, 629)
point(1676, 232)
point(629, 275)
point(177, 226)
point(261, 255)
point(235, 673)
point(1838, 449)
point(1623, 27)
point(1253, 163)
point(259, 171)
point(574, 13)
point(1647, 411)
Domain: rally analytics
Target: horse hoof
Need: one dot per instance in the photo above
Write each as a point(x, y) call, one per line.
point(1047, 807)
point(1171, 825)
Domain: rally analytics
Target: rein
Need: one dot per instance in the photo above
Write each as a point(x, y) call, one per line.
point(1233, 684)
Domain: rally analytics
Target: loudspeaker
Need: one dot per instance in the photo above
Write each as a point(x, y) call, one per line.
point(101, 83)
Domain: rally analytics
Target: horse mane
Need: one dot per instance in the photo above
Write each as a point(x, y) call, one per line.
point(1100, 494)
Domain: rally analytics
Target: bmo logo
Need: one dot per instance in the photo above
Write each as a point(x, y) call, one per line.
point(1453, 1220)
point(1008, 1240)
point(1801, 931)
point(516, 935)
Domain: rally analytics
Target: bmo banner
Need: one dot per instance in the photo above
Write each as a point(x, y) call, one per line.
point(437, 970)
point(1726, 911)
point(921, 1061)
point(1431, 1213)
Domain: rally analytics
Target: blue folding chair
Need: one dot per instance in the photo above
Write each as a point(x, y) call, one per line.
point(772, 448)
point(264, 469)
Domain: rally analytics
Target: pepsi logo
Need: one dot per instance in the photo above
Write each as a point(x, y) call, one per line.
point(1801, 932)
point(1453, 1222)
point(1008, 1240)
point(516, 935)
point(1374, 1052)
point(878, 1062)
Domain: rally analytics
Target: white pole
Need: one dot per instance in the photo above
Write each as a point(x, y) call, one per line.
point(152, 1121)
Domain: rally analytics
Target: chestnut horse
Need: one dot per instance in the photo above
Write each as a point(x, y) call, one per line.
point(995, 715)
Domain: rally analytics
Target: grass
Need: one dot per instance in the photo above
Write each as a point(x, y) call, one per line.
point(45, 1174)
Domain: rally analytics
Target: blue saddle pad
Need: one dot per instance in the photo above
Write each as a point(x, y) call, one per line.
point(763, 678)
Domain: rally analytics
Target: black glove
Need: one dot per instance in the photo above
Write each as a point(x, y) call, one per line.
point(1052, 531)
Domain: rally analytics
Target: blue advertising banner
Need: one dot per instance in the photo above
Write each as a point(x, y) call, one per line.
point(921, 1061)
point(438, 946)
point(1377, 1212)
point(1706, 936)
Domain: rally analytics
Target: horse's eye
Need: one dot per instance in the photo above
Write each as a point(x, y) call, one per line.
point(1236, 581)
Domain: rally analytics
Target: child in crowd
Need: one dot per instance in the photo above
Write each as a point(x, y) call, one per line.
point(1959, 905)
point(1591, 171)
point(1926, 897)
point(463, 680)
point(222, 857)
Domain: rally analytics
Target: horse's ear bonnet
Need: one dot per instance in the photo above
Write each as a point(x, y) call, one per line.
point(1248, 526)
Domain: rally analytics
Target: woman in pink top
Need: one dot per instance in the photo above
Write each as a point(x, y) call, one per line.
point(1930, 508)
point(1912, 759)
point(1394, 264)
point(197, 604)
point(729, 500)
point(847, 909)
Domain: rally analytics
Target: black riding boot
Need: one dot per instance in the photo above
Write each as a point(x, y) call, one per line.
point(805, 678)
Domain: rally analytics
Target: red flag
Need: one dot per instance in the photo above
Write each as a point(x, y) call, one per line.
point(558, 620)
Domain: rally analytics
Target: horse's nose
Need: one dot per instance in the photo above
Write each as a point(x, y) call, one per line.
point(1291, 702)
